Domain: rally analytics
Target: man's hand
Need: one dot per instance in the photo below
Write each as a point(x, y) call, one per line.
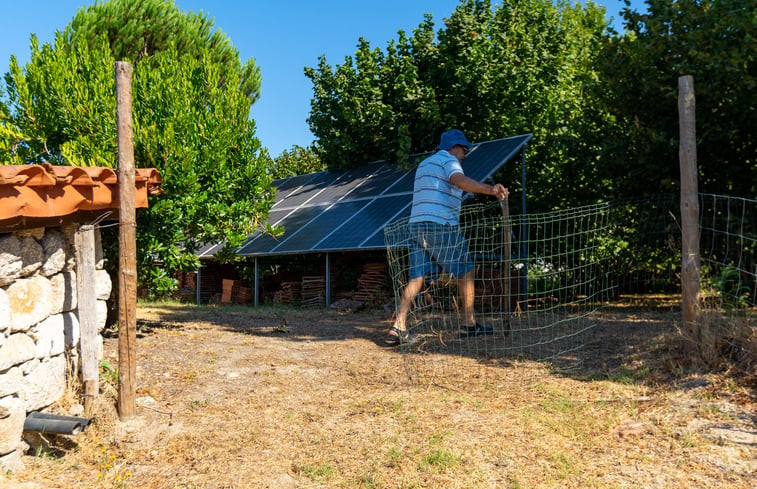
point(469, 185)
point(499, 191)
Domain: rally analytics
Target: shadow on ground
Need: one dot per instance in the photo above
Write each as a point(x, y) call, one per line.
point(632, 342)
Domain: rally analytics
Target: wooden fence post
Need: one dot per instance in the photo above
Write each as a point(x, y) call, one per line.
point(127, 246)
point(86, 300)
point(687, 155)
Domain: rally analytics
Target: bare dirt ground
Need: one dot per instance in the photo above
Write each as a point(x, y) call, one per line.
point(232, 397)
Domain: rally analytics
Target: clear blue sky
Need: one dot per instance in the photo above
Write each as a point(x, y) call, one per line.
point(282, 36)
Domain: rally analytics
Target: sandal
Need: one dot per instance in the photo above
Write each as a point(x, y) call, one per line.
point(475, 330)
point(397, 336)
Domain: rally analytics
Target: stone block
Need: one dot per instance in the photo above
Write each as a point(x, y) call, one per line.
point(17, 349)
point(30, 300)
point(32, 256)
point(12, 462)
point(5, 312)
point(68, 233)
point(12, 417)
point(28, 367)
point(63, 292)
point(10, 259)
point(54, 248)
point(44, 385)
point(103, 285)
point(71, 330)
point(49, 337)
point(101, 313)
point(10, 381)
point(34, 233)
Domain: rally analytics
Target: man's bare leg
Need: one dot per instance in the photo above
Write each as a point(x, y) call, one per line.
point(408, 296)
point(467, 292)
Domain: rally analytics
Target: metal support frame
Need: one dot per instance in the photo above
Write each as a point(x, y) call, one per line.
point(197, 285)
point(257, 288)
point(524, 228)
point(328, 279)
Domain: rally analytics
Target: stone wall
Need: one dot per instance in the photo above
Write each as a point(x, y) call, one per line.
point(39, 328)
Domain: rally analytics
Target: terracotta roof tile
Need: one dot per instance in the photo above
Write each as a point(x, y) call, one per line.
point(46, 191)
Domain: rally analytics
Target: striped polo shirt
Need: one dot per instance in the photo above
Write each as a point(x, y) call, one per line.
point(435, 199)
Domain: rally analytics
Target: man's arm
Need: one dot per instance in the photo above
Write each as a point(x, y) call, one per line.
point(469, 185)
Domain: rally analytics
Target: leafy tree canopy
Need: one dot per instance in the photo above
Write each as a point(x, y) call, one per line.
point(140, 28)
point(492, 71)
point(191, 122)
point(712, 40)
point(296, 161)
point(602, 106)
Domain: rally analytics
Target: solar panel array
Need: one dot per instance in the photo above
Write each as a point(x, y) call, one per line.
point(347, 211)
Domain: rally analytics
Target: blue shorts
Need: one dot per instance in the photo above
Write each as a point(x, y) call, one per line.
point(438, 247)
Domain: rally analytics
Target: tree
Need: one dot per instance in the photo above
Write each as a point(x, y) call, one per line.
point(373, 108)
point(296, 161)
point(136, 29)
point(713, 40)
point(191, 122)
point(522, 66)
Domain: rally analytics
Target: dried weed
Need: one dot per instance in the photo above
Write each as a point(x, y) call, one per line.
point(229, 400)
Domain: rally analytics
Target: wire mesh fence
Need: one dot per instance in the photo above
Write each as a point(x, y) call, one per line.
point(728, 251)
point(539, 279)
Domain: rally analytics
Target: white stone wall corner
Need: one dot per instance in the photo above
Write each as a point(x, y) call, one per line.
point(39, 327)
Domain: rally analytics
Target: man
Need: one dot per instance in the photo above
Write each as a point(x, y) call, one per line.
point(435, 237)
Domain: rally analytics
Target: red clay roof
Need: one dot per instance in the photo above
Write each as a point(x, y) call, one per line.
point(29, 192)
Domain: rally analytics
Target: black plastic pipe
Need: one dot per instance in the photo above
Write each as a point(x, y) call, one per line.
point(53, 423)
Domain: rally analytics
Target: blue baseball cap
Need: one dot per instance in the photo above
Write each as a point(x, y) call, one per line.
point(452, 138)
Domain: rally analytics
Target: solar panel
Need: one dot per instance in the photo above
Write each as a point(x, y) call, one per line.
point(345, 184)
point(208, 250)
point(403, 184)
point(292, 182)
point(486, 158)
point(379, 181)
point(308, 191)
point(340, 211)
point(376, 240)
point(285, 186)
point(261, 240)
point(376, 214)
point(317, 229)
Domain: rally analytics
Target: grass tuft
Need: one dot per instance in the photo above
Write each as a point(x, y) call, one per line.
point(440, 459)
point(319, 472)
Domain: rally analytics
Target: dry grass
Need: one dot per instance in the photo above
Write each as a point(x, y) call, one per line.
point(729, 340)
point(238, 398)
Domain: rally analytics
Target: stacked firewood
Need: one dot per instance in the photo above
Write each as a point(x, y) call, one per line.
point(244, 295)
point(288, 293)
point(314, 291)
point(372, 282)
point(234, 291)
point(497, 291)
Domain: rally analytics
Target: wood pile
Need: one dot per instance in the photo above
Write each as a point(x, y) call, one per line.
point(288, 293)
point(314, 291)
point(342, 294)
point(497, 291)
point(242, 295)
point(372, 283)
point(234, 291)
